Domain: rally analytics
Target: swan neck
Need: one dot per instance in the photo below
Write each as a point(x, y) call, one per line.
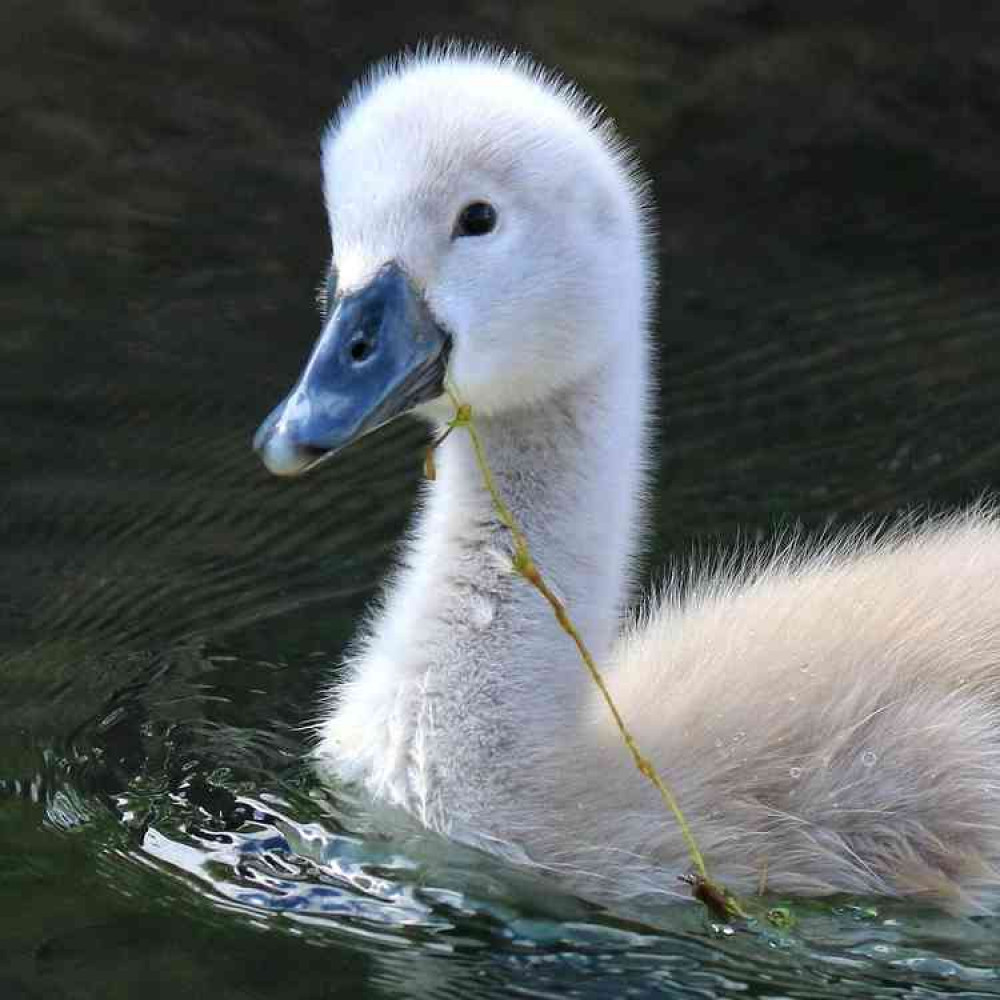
point(466, 675)
point(570, 470)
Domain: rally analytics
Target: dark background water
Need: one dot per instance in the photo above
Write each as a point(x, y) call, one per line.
point(829, 190)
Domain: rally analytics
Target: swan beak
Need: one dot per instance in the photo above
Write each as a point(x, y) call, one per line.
point(380, 354)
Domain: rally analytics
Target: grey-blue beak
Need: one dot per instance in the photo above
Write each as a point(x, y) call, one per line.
point(380, 354)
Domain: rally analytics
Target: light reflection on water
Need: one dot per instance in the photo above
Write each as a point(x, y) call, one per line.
point(288, 857)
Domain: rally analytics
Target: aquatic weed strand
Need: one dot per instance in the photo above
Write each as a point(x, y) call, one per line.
point(715, 897)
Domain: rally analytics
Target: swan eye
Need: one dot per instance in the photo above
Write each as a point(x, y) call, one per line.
point(476, 219)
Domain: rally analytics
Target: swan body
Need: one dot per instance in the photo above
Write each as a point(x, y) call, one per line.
point(827, 716)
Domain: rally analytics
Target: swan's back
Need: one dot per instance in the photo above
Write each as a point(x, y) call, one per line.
point(832, 718)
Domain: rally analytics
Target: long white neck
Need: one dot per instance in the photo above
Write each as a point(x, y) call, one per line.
point(466, 676)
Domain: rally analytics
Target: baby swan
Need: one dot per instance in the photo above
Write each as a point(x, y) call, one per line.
point(827, 718)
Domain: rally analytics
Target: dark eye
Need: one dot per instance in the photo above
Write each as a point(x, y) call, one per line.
point(476, 219)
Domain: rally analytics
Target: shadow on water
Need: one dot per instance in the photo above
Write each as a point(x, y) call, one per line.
point(168, 615)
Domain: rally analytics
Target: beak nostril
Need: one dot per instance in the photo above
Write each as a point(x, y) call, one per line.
point(360, 350)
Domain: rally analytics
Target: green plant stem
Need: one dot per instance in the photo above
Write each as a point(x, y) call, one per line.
point(714, 896)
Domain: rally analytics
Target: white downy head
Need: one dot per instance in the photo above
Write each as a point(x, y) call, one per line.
point(559, 283)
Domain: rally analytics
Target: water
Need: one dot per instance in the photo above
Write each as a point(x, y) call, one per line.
point(168, 614)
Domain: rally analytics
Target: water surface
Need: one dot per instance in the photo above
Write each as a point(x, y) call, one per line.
point(829, 350)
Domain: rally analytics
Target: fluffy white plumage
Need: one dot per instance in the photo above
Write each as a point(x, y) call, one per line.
point(828, 718)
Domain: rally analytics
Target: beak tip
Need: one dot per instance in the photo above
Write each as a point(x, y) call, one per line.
point(260, 438)
point(281, 455)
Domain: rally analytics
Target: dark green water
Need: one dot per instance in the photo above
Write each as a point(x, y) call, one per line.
point(830, 348)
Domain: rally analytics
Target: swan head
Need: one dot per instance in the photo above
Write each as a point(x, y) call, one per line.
point(488, 234)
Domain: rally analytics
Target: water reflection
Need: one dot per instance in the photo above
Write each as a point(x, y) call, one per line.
point(221, 827)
